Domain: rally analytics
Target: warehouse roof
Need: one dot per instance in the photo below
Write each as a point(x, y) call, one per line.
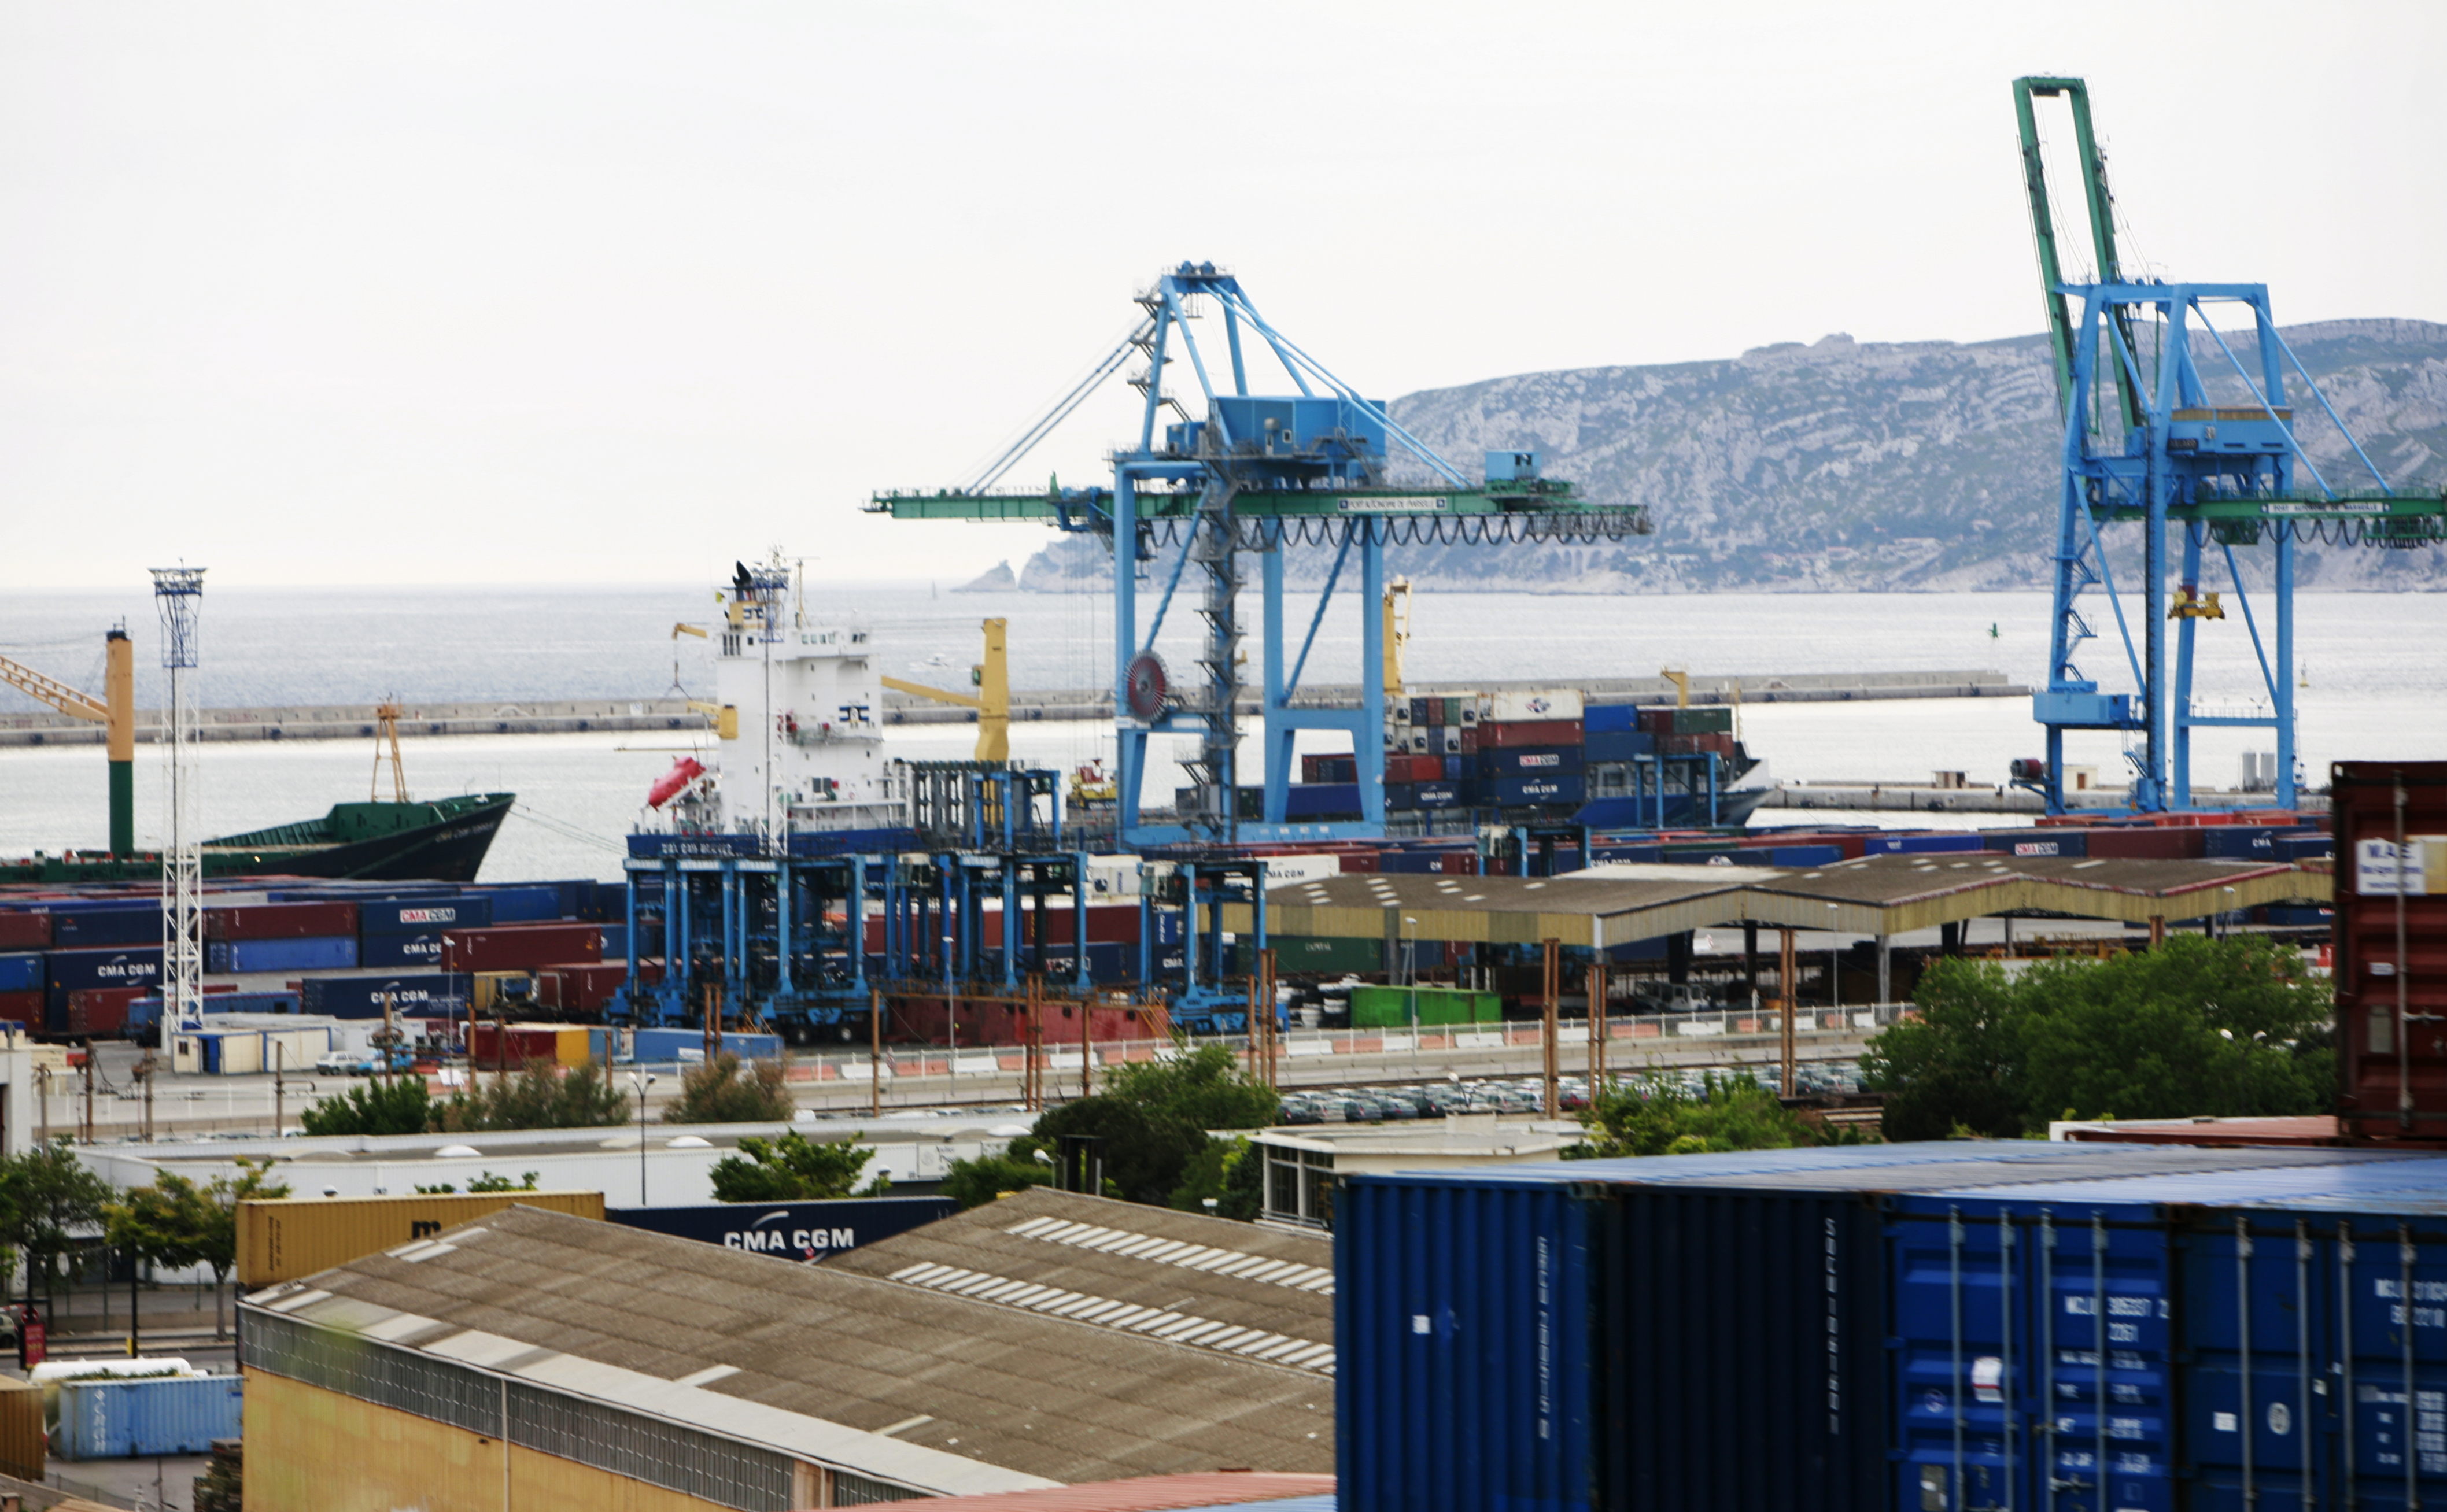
point(1158, 1493)
point(924, 1387)
point(1878, 894)
point(1207, 1282)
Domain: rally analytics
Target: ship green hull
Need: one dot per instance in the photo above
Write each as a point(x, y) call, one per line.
point(441, 841)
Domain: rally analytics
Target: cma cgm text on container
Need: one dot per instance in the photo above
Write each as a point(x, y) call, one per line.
point(1938, 1327)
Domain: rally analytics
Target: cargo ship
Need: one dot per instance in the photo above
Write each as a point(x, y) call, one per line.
point(441, 841)
point(1544, 759)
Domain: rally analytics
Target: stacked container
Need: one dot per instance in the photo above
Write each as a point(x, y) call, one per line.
point(1948, 1327)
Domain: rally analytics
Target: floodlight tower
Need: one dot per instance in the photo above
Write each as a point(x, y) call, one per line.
point(178, 593)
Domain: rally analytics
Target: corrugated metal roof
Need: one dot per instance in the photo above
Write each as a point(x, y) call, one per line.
point(1250, 1490)
point(1209, 1282)
point(908, 1366)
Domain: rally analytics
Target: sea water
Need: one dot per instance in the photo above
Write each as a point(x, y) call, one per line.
point(2371, 670)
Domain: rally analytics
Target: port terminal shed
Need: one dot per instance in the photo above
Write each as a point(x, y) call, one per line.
point(534, 1359)
point(1881, 896)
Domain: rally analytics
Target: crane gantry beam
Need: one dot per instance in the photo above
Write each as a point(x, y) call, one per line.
point(1258, 474)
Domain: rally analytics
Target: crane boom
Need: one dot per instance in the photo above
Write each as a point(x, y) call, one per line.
point(52, 691)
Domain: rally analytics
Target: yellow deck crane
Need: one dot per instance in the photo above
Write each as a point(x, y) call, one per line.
point(992, 700)
point(115, 714)
point(1398, 635)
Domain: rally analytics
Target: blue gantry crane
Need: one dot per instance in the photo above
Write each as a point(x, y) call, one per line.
point(1255, 475)
point(2152, 441)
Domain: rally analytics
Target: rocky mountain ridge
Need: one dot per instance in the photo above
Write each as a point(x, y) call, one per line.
point(1844, 466)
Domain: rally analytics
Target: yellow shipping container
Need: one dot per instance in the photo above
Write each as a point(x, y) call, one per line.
point(283, 1240)
point(487, 989)
point(22, 1437)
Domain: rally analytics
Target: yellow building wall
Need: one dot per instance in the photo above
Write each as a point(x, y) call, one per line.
point(313, 1451)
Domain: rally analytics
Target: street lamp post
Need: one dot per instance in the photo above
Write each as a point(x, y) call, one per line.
point(1835, 962)
point(641, 1082)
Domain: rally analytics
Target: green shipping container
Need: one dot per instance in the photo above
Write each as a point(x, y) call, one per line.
point(1313, 955)
point(1718, 720)
point(1391, 1006)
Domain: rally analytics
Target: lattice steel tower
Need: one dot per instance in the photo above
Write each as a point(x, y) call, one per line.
point(178, 593)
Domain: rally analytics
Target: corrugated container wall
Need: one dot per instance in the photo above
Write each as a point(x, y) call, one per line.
point(25, 1441)
point(1461, 1348)
point(282, 1240)
point(118, 1420)
point(2391, 1084)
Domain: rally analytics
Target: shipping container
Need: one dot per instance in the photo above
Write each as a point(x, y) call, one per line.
point(1514, 792)
point(423, 915)
point(281, 1240)
point(1804, 856)
point(1545, 734)
point(657, 1044)
point(24, 929)
point(2153, 842)
point(2038, 842)
point(1618, 745)
point(1948, 845)
point(1523, 761)
point(67, 971)
point(519, 947)
point(362, 997)
point(586, 987)
point(23, 1009)
point(528, 903)
point(1325, 955)
point(1609, 719)
point(97, 1012)
point(21, 974)
point(88, 926)
point(334, 953)
point(280, 921)
point(1942, 1327)
point(1406, 1007)
point(2390, 896)
point(805, 1232)
point(25, 1441)
point(119, 1420)
point(511, 1046)
point(1437, 795)
point(391, 951)
point(1321, 800)
point(248, 1051)
point(1517, 705)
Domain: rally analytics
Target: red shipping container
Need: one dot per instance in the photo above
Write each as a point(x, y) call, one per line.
point(281, 922)
point(2391, 1064)
point(22, 1008)
point(2148, 844)
point(1515, 734)
point(519, 947)
point(585, 988)
point(100, 1012)
point(1357, 862)
point(1694, 744)
point(528, 1042)
point(20, 930)
point(1415, 768)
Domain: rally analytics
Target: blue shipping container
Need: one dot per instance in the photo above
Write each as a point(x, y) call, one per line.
point(1618, 745)
point(89, 925)
point(615, 941)
point(327, 953)
point(1608, 719)
point(1551, 762)
point(524, 905)
point(1921, 845)
point(1436, 795)
point(415, 994)
point(805, 1232)
point(424, 951)
point(1897, 1328)
point(21, 974)
point(70, 971)
point(423, 915)
point(655, 1044)
point(1513, 792)
point(1401, 794)
point(119, 1420)
point(2073, 843)
point(1321, 800)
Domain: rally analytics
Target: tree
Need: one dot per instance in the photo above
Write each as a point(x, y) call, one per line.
point(716, 1092)
point(974, 1183)
point(484, 1181)
point(1152, 1118)
point(1665, 1119)
point(2193, 1027)
point(540, 1096)
point(1232, 1171)
point(793, 1169)
point(46, 1195)
point(402, 1106)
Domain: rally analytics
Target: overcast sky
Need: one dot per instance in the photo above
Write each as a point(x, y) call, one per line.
point(362, 293)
